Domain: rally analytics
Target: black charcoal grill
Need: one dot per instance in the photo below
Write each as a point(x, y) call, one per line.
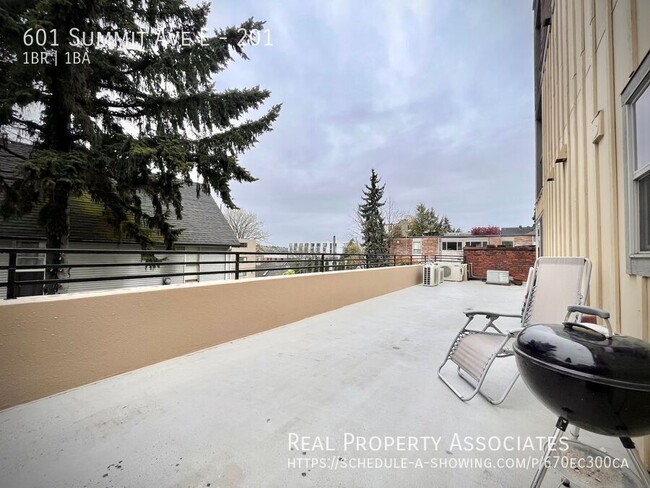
point(590, 378)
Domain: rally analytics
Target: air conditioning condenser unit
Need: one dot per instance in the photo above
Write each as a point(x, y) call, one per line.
point(495, 277)
point(452, 271)
point(431, 274)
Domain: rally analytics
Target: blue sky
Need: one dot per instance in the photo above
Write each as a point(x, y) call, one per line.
point(436, 95)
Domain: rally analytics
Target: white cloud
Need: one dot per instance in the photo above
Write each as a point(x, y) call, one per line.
point(436, 95)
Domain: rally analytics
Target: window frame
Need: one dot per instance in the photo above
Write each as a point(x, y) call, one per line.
point(417, 241)
point(638, 262)
point(25, 244)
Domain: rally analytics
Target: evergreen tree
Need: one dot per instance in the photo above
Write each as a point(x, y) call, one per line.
point(130, 125)
point(375, 240)
point(351, 255)
point(426, 222)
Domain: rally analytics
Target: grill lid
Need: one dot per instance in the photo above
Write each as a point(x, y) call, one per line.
point(584, 353)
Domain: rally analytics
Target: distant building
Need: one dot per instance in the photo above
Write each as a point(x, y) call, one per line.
point(272, 268)
point(518, 236)
point(452, 244)
point(312, 247)
point(247, 262)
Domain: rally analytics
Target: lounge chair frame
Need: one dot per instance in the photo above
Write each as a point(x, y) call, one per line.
point(473, 351)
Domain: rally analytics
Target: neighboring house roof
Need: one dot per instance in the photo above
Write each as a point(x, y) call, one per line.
point(505, 232)
point(263, 268)
point(202, 223)
point(517, 231)
point(458, 234)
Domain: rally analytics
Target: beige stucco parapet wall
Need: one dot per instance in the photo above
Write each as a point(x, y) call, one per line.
point(51, 344)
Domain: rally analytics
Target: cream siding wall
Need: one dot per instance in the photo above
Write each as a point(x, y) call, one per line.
point(592, 48)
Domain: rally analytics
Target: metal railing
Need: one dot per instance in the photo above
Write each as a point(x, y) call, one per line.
point(233, 265)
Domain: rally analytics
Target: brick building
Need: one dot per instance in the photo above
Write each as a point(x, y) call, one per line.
point(452, 245)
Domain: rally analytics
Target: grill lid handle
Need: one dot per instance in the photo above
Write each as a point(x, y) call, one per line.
point(603, 314)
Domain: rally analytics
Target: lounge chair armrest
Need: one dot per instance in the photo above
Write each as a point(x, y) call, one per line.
point(491, 315)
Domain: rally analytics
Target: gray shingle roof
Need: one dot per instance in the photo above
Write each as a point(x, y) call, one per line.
point(517, 231)
point(203, 222)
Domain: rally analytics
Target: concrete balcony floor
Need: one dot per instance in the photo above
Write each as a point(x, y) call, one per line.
point(227, 416)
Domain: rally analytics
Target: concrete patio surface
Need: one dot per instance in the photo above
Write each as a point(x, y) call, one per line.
point(349, 398)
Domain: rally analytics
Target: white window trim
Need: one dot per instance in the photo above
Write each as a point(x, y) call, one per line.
point(638, 262)
point(417, 241)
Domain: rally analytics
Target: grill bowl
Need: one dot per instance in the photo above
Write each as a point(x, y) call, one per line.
point(599, 384)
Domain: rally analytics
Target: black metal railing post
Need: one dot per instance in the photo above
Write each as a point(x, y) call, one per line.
point(11, 276)
point(411, 259)
point(236, 265)
point(322, 263)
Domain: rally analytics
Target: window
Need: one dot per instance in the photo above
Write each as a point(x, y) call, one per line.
point(636, 133)
point(508, 242)
point(452, 246)
point(37, 260)
point(476, 244)
point(417, 247)
point(29, 259)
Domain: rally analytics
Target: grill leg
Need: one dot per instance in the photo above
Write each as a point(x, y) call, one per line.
point(560, 428)
point(574, 433)
point(636, 459)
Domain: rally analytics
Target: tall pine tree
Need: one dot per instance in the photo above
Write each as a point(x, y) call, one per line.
point(130, 125)
point(426, 222)
point(375, 239)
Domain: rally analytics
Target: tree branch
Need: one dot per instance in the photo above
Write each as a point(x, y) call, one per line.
point(27, 123)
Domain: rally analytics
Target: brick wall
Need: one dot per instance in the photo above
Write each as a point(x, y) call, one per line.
point(516, 260)
point(494, 241)
point(524, 240)
point(403, 246)
point(430, 246)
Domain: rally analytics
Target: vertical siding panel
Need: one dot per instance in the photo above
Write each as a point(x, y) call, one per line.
point(624, 39)
point(601, 104)
point(613, 285)
point(555, 117)
point(551, 142)
point(642, 29)
point(590, 153)
point(633, 314)
point(557, 187)
point(568, 230)
point(581, 124)
point(574, 161)
point(545, 143)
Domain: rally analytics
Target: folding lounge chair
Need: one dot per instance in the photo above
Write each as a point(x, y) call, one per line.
point(553, 284)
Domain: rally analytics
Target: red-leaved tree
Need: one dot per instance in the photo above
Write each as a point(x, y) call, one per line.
point(490, 230)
